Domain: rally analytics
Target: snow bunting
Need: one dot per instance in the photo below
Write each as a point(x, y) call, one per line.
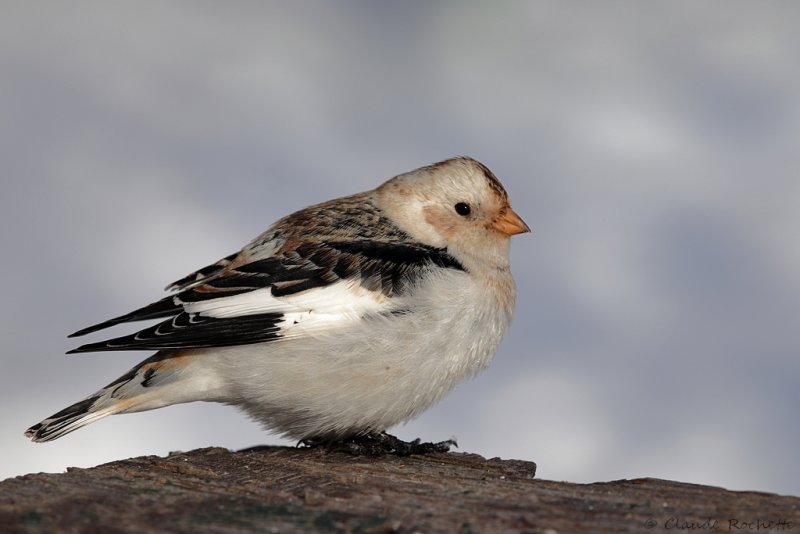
point(338, 322)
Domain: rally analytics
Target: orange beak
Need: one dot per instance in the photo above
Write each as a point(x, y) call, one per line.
point(509, 223)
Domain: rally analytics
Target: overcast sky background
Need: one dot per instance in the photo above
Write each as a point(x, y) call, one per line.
point(653, 147)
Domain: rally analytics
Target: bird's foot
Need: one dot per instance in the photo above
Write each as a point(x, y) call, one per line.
point(377, 444)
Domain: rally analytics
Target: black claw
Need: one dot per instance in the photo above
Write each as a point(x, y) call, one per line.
point(378, 444)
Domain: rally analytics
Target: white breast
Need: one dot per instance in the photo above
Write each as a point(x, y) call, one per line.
point(375, 372)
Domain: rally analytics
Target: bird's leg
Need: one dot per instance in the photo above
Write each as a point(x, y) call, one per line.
point(379, 443)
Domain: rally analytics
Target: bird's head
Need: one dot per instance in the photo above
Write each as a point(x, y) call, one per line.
point(456, 204)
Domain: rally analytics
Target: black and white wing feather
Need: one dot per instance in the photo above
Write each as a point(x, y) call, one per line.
point(245, 298)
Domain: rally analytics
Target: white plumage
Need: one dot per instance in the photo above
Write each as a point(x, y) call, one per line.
point(341, 320)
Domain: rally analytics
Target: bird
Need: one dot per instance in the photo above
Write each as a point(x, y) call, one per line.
point(338, 322)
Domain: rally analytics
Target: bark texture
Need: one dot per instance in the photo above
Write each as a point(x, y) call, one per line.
point(276, 489)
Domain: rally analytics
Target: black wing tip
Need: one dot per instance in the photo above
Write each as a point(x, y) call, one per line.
point(87, 330)
point(161, 308)
point(103, 346)
point(100, 326)
point(189, 331)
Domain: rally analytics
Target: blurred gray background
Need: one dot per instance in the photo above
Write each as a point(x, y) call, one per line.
point(653, 147)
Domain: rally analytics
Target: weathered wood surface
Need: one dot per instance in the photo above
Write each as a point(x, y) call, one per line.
point(279, 489)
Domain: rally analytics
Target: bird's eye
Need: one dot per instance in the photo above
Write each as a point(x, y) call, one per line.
point(463, 209)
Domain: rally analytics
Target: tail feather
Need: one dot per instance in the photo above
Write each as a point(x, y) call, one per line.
point(72, 418)
point(156, 382)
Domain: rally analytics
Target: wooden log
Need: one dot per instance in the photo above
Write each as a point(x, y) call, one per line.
point(278, 489)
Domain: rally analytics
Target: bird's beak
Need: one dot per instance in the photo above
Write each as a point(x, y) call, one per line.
point(509, 223)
